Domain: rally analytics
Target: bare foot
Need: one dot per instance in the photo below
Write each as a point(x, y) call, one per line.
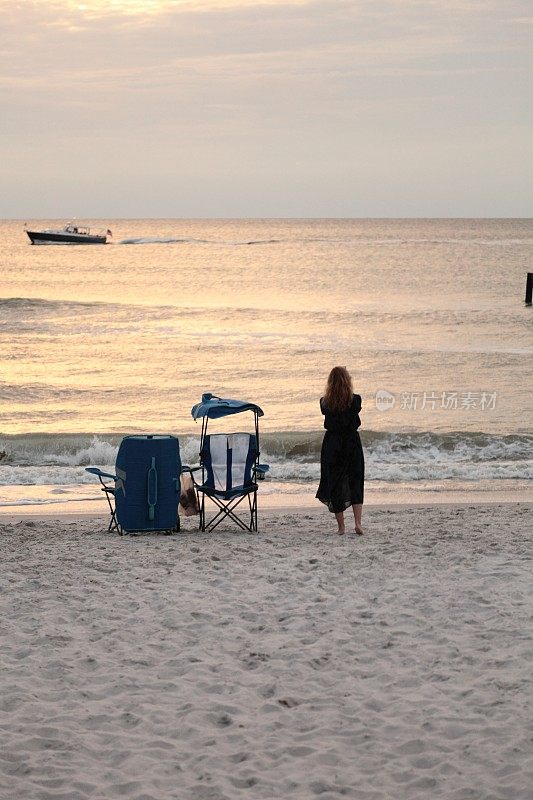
point(341, 531)
point(358, 530)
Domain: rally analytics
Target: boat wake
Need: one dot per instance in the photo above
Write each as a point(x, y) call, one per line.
point(174, 240)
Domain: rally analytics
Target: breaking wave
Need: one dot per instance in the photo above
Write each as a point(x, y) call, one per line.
point(393, 458)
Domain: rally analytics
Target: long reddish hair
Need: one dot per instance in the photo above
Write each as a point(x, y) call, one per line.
point(339, 390)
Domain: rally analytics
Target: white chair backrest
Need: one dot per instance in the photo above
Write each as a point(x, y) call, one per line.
point(240, 445)
point(219, 446)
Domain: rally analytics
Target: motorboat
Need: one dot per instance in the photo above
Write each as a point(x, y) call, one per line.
point(72, 233)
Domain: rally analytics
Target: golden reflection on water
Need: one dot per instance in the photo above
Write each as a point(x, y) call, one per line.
point(126, 337)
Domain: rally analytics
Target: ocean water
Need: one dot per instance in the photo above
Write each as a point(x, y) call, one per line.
point(428, 315)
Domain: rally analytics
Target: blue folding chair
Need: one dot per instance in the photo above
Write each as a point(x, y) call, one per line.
point(229, 465)
point(145, 492)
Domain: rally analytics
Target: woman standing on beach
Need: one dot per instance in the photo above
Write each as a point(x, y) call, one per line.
point(342, 463)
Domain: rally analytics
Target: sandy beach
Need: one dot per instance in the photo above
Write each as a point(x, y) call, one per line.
point(292, 663)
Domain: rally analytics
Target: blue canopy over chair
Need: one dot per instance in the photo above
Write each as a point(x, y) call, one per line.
point(212, 407)
point(229, 464)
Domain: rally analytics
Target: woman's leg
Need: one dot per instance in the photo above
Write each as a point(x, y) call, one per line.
point(339, 516)
point(357, 514)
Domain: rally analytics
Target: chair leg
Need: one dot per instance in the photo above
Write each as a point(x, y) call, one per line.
point(113, 523)
point(253, 511)
point(228, 510)
point(250, 506)
point(202, 514)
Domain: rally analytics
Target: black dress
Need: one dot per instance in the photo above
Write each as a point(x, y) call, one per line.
point(342, 463)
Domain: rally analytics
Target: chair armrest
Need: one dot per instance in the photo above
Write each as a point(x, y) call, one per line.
point(99, 473)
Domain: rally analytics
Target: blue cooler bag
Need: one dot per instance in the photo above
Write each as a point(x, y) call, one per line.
point(147, 485)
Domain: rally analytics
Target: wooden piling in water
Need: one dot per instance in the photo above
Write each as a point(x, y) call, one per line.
point(529, 288)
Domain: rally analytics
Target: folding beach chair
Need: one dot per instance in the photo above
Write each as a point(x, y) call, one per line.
point(145, 492)
point(229, 465)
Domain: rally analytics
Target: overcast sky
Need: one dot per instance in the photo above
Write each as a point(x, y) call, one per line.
point(339, 108)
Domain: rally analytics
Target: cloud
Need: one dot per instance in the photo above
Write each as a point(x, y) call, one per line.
point(299, 88)
point(311, 37)
point(97, 9)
